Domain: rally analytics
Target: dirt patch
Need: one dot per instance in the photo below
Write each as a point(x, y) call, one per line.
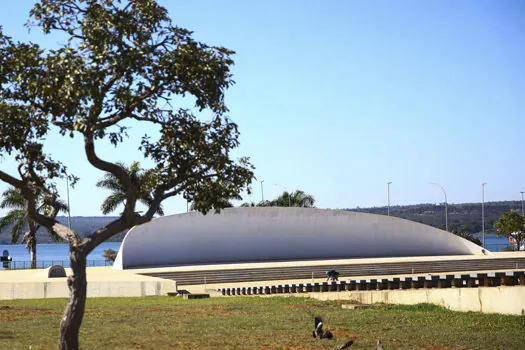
point(9, 314)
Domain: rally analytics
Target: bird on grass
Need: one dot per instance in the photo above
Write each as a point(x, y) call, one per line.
point(318, 326)
point(380, 345)
point(318, 331)
point(346, 345)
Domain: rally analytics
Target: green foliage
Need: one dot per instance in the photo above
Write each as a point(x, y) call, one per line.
point(110, 254)
point(122, 62)
point(17, 220)
point(141, 180)
point(511, 224)
point(294, 199)
point(469, 237)
point(463, 217)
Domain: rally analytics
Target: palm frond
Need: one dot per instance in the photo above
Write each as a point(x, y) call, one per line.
point(11, 220)
point(112, 202)
point(110, 182)
point(18, 228)
point(12, 199)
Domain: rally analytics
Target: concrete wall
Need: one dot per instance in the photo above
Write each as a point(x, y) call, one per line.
point(57, 288)
point(503, 300)
point(265, 234)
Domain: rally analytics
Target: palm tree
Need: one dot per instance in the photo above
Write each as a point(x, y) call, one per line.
point(294, 199)
point(138, 177)
point(17, 219)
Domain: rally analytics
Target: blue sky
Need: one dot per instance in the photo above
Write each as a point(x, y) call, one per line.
point(338, 98)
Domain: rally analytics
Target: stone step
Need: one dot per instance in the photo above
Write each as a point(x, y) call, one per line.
point(196, 296)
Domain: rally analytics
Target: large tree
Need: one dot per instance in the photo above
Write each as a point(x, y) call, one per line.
point(121, 62)
point(511, 224)
point(16, 219)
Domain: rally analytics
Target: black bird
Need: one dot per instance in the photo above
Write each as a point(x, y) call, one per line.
point(326, 335)
point(318, 327)
point(346, 345)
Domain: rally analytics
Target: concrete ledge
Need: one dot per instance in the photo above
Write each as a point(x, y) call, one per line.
point(502, 300)
point(102, 282)
point(58, 289)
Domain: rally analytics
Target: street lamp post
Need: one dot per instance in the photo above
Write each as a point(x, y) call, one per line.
point(522, 212)
point(289, 194)
point(262, 192)
point(483, 211)
point(446, 209)
point(388, 184)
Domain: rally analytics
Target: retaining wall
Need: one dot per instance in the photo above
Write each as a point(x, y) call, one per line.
point(58, 289)
point(503, 300)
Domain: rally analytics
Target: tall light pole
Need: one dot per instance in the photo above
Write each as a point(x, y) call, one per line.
point(289, 194)
point(522, 212)
point(262, 192)
point(388, 184)
point(483, 211)
point(446, 209)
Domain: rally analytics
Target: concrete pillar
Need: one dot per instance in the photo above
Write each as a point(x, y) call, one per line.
point(402, 282)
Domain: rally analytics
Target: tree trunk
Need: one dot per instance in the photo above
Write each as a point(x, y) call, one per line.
point(33, 252)
point(30, 240)
point(77, 283)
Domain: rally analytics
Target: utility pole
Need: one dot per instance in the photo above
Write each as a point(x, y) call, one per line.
point(446, 209)
point(262, 191)
point(522, 212)
point(388, 184)
point(483, 211)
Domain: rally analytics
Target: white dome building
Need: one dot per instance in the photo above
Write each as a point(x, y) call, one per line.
point(239, 235)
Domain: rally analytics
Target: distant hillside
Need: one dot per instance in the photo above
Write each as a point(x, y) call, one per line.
point(464, 217)
point(82, 224)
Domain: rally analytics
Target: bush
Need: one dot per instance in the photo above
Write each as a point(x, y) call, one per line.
point(469, 237)
point(110, 254)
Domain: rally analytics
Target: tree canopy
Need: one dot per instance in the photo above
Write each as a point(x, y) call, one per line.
point(287, 199)
point(511, 224)
point(121, 62)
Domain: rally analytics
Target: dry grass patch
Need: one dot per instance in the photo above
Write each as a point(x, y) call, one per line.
point(253, 323)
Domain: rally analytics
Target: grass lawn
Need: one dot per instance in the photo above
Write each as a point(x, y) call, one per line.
point(253, 323)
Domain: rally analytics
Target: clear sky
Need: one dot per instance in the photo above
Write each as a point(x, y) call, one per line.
point(337, 98)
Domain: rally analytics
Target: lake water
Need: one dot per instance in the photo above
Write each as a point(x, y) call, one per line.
point(50, 254)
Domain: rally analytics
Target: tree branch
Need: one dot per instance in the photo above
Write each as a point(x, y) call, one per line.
point(131, 193)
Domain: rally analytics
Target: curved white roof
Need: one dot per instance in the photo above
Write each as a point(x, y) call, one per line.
point(277, 233)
